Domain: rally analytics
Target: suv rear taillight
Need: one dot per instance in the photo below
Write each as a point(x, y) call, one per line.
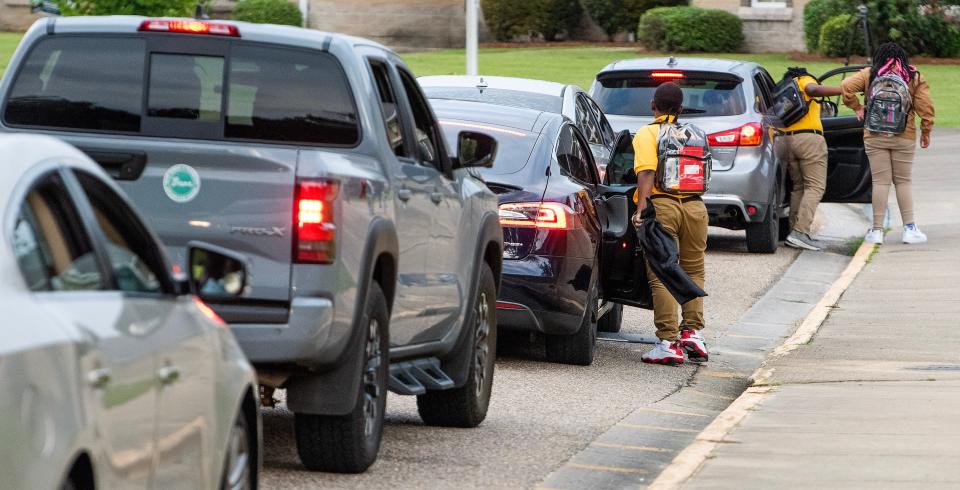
point(189, 27)
point(750, 134)
point(544, 215)
point(316, 233)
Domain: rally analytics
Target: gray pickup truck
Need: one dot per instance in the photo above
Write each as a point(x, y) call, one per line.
point(374, 258)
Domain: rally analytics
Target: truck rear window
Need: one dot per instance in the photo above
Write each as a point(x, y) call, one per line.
point(257, 93)
point(630, 95)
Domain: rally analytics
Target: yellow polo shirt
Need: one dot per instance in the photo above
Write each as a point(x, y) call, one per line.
point(645, 155)
point(812, 119)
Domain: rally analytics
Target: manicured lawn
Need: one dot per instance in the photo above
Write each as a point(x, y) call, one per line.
point(579, 65)
point(8, 42)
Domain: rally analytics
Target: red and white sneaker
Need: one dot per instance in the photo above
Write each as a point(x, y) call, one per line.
point(665, 352)
point(692, 342)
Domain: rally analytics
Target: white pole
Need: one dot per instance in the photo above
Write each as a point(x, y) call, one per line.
point(472, 21)
point(304, 11)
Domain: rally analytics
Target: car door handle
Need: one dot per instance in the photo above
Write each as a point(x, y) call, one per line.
point(436, 197)
point(168, 374)
point(98, 378)
point(121, 165)
point(404, 194)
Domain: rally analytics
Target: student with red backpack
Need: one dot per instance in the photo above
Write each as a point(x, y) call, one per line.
point(672, 164)
point(895, 94)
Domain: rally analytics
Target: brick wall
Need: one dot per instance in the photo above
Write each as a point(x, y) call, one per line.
point(401, 25)
point(766, 29)
point(15, 15)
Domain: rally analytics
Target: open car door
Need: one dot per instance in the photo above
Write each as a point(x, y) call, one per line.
point(623, 271)
point(848, 170)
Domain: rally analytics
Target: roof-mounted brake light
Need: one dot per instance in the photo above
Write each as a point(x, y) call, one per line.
point(189, 27)
point(667, 75)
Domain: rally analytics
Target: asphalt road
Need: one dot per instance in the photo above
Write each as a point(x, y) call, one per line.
point(541, 414)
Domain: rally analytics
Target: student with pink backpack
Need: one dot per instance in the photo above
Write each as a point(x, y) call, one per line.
point(895, 94)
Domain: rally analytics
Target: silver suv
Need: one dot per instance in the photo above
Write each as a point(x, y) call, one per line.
point(727, 99)
point(374, 258)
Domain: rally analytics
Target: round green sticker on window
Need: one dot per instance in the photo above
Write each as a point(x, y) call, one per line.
point(181, 183)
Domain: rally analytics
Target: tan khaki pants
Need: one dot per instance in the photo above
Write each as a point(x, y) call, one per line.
point(891, 162)
point(807, 165)
point(687, 222)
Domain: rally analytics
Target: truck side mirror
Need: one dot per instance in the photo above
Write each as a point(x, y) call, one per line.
point(475, 150)
point(215, 272)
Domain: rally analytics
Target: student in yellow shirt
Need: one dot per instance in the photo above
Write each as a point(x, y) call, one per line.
point(806, 152)
point(685, 218)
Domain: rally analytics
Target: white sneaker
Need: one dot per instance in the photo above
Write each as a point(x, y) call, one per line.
point(875, 235)
point(665, 352)
point(912, 234)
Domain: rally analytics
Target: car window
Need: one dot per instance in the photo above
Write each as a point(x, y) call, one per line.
point(703, 95)
point(504, 97)
point(389, 109)
point(186, 87)
point(80, 83)
point(52, 250)
point(573, 157)
point(426, 131)
point(137, 263)
point(605, 129)
point(586, 123)
point(762, 94)
point(279, 94)
point(514, 146)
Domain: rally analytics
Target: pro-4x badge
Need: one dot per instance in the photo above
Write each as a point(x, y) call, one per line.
point(181, 183)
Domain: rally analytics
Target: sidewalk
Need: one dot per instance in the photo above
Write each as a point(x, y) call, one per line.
point(874, 399)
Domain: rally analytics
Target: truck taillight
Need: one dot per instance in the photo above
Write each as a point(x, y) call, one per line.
point(548, 215)
point(316, 233)
point(188, 26)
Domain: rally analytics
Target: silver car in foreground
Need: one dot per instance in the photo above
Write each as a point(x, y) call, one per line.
point(112, 375)
point(726, 99)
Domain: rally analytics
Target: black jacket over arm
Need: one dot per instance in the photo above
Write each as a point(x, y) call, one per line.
point(661, 252)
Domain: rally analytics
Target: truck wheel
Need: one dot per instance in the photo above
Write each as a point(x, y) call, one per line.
point(350, 443)
point(612, 321)
point(578, 348)
point(466, 406)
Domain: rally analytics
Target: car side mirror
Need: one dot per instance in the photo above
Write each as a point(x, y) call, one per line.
point(828, 108)
point(475, 150)
point(215, 272)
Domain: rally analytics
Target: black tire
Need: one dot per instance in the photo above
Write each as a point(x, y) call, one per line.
point(239, 471)
point(763, 237)
point(467, 405)
point(578, 348)
point(784, 228)
point(350, 443)
point(612, 321)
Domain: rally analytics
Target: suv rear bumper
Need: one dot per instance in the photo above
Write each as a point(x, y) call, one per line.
point(544, 294)
point(308, 338)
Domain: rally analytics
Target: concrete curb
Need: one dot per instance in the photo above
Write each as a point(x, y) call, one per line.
point(688, 461)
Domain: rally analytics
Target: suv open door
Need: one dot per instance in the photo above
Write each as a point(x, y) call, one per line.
point(623, 271)
point(848, 170)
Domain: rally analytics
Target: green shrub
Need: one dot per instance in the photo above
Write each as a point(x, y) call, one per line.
point(816, 13)
point(149, 8)
point(941, 37)
point(683, 29)
point(614, 16)
point(548, 18)
point(558, 17)
point(835, 37)
point(268, 12)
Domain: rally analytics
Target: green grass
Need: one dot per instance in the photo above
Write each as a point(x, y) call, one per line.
point(579, 65)
point(8, 42)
